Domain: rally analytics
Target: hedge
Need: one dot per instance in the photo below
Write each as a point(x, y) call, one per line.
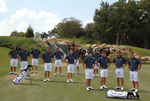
point(9, 42)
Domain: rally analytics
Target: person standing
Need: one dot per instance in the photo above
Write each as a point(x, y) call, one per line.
point(25, 56)
point(133, 68)
point(118, 65)
point(58, 61)
point(35, 53)
point(103, 69)
point(14, 61)
point(90, 63)
point(96, 56)
point(48, 59)
point(77, 54)
point(71, 64)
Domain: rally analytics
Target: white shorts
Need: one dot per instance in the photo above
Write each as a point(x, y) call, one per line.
point(89, 73)
point(35, 62)
point(119, 73)
point(24, 65)
point(71, 68)
point(96, 67)
point(104, 72)
point(48, 66)
point(13, 62)
point(133, 76)
point(58, 63)
point(77, 63)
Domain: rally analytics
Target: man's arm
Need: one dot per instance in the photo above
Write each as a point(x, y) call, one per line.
point(129, 67)
point(62, 57)
point(66, 62)
point(109, 65)
point(18, 56)
point(75, 62)
point(42, 60)
point(114, 65)
point(84, 65)
point(9, 56)
point(28, 58)
point(139, 67)
point(98, 65)
point(124, 64)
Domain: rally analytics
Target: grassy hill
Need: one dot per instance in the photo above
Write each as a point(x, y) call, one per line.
point(58, 89)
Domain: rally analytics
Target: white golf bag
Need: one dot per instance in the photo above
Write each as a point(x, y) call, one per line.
point(22, 76)
point(121, 95)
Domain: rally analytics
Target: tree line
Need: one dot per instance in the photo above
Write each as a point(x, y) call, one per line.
point(119, 23)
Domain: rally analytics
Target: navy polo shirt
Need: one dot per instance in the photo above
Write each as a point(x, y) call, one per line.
point(96, 56)
point(134, 64)
point(77, 54)
point(24, 55)
point(119, 61)
point(35, 53)
point(58, 54)
point(13, 53)
point(47, 57)
point(70, 58)
point(89, 62)
point(103, 62)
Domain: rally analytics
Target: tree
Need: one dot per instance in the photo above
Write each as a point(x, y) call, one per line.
point(29, 32)
point(43, 35)
point(69, 27)
point(37, 35)
point(89, 30)
point(17, 34)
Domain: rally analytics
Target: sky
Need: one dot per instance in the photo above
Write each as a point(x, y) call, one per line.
point(43, 15)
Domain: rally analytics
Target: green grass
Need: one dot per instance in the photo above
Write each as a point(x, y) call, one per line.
point(58, 89)
point(141, 51)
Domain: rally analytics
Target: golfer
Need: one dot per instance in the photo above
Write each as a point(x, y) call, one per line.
point(96, 56)
point(58, 60)
point(133, 68)
point(13, 59)
point(118, 65)
point(77, 54)
point(48, 59)
point(71, 61)
point(35, 53)
point(103, 69)
point(25, 56)
point(90, 63)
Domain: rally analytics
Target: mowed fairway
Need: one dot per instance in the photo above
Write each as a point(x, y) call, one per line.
point(58, 89)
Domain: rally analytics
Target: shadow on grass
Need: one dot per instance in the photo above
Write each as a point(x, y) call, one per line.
point(66, 82)
point(36, 79)
point(30, 84)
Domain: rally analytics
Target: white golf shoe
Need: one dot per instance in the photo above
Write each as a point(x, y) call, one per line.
point(93, 75)
point(91, 88)
point(67, 80)
point(14, 73)
point(10, 73)
point(117, 87)
point(87, 89)
point(60, 74)
point(132, 89)
point(101, 87)
point(36, 72)
point(122, 88)
point(55, 74)
point(48, 80)
point(44, 80)
point(104, 86)
point(136, 90)
point(71, 80)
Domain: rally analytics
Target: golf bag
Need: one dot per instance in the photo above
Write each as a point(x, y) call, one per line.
point(22, 76)
point(121, 95)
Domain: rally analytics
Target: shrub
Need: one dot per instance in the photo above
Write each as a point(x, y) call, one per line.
point(9, 42)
